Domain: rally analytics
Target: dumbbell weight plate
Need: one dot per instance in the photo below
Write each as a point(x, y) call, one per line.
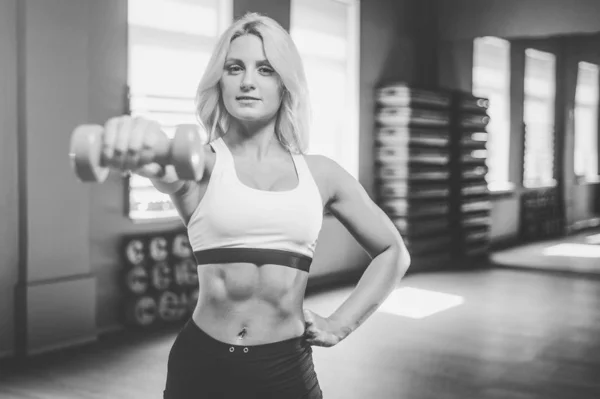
point(181, 246)
point(184, 306)
point(85, 152)
point(188, 152)
point(180, 274)
point(141, 311)
point(169, 306)
point(136, 280)
point(185, 273)
point(158, 249)
point(161, 276)
point(134, 251)
point(192, 272)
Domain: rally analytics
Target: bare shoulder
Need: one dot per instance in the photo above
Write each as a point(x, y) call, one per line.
point(330, 176)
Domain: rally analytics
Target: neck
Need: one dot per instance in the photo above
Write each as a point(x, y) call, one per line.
point(256, 141)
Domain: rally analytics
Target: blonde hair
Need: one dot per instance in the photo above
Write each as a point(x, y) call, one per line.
point(293, 117)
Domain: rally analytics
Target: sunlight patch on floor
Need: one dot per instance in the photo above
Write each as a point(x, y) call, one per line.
point(573, 250)
point(417, 303)
point(593, 239)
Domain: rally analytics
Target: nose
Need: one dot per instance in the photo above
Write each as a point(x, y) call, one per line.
point(247, 83)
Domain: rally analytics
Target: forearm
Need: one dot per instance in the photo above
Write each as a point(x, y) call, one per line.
point(375, 285)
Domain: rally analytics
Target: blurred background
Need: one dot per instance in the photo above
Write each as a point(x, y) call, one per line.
point(472, 123)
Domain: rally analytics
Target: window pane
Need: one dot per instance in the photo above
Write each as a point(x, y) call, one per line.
point(540, 83)
point(326, 34)
point(491, 80)
point(172, 73)
point(320, 44)
point(586, 121)
point(199, 17)
point(328, 94)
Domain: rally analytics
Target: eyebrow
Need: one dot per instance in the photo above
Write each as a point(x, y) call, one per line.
point(237, 60)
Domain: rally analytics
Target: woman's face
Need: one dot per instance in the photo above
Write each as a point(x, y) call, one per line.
point(250, 86)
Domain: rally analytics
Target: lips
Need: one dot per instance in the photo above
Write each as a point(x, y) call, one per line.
point(246, 98)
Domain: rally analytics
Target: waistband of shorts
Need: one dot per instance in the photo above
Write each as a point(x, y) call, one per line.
point(216, 347)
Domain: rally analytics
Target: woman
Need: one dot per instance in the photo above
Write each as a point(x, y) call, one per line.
point(253, 222)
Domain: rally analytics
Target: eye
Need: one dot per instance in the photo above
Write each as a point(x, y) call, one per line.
point(234, 68)
point(266, 70)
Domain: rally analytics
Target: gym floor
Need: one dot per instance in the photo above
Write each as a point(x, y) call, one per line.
point(501, 333)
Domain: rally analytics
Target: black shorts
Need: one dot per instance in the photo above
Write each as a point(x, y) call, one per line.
point(200, 367)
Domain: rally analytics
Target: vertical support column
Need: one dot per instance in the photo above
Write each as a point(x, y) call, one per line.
point(55, 284)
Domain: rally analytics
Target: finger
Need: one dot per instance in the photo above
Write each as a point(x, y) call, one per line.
point(111, 128)
point(310, 335)
point(311, 330)
point(150, 138)
point(121, 142)
point(134, 146)
point(151, 170)
point(308, 317)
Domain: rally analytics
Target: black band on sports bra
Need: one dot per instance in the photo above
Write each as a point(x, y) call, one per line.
point(257, 256)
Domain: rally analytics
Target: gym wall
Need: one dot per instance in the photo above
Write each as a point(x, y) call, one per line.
point(9, 191)
point(466, 19)
point(73, 70)
point(526, 23)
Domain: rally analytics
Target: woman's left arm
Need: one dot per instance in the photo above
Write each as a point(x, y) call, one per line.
point(375, 232)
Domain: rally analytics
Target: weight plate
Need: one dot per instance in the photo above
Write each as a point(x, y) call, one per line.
point(161, 275)
point(181, 246)
point(185, 273)
point(141, 311)
point(169, 306)
point(158, 248)
point(136, 280)
point(134, 251)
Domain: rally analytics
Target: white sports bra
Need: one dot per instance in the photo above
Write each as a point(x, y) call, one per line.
point(238, 223)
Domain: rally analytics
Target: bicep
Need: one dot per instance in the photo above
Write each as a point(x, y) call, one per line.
point(362, 217)
point(188, 197)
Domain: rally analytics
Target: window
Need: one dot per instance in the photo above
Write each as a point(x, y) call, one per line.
point(539, 106)
point(326, 33)
point(586, 122)
point(491, 80)
point(170, 42)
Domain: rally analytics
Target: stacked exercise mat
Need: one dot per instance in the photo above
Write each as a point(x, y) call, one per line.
point(412, 159)
point(160, 279)
point(470, 200)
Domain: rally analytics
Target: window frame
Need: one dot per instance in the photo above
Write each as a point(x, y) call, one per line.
point(154, 35)
point(505, 183)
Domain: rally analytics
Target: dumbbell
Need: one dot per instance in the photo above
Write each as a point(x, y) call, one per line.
point(184, 152)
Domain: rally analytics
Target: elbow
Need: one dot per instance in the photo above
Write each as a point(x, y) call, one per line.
point(404, 262)
point(403, 259)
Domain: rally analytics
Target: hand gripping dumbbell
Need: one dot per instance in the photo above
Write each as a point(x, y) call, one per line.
point(184, 152)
